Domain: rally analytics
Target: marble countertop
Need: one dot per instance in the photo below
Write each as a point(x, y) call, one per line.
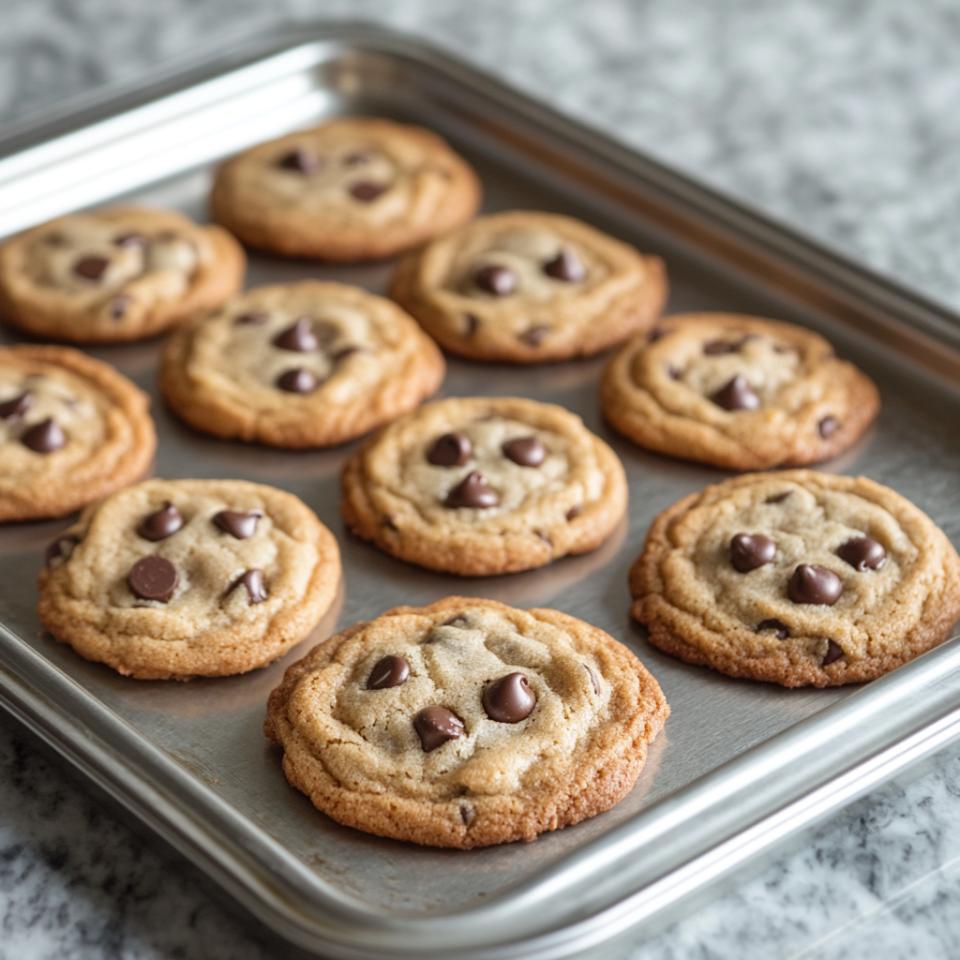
point(838, 117)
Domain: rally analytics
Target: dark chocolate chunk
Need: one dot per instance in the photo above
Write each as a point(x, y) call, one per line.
point(91, 267)
point(862, 553)
point(162, 523)
point(299, 338)
point(118, 305)
point(544, 537)
point(239, 525)
point(525, 451)
point(829, 426)
point(253, 581)
point(834, 652)
point(509, 699)
point(466, 814)
point(61, 547)
point(473, 323)
point(737, 395)
point(565, 266)
point(778, 497)
point(389, 671)
point(574, 512)
point(814, 584)
point(301, 160)
point(253, 317)
point(749, 551)
point(473, 491)
point(297, 380)
point(450, 450)
point(153, 578)
point(365, 191)
point(535, 335)
point(717, 347)
point(44, 437)
point(14, 409)
point(594, 682)
point(130, 240)
point(778, 626)
point(436, 725)
point(495, 279)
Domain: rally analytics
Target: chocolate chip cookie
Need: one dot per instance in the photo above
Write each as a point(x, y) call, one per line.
point(299, 365)
point(354, 188)
point(466, 723)
point(175, 579)
point(530, 287)
point(484, 485)
point(116, 274)
point(72, 429)
point(800, 578)
point(739, 392)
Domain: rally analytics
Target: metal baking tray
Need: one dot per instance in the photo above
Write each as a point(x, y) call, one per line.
point(740, 767)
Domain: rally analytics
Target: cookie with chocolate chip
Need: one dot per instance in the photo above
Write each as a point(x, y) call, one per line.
point(530, 287)
point(799, 578)
point(304, 364)
point(122, 273)
point(72, 430)
point(466, 723)
point(485, 485)
point(355, 188)
point(739, 392)
point(175, 579)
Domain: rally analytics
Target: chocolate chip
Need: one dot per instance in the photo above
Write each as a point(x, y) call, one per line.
point(161, 524)
point(44, 437)
point(778, 626)
point(834, 652)
point(298, 380)
point(388, 522)
point(749, 551)
point(239, 525)
point(91, 267)
point(300, 337)
point(389, 671)
point(253, 581)
point(436, 725)
point(450, 450)
point(509, 699)
point(565, 266)
point(717, 347)
point(737, 395)
point(525, 451)
point(458, 621)
point(656, 334)
point(500, 281)
point(778, 497)
point(253, 317)
point(365, 191)
point(473, 323)
point(672, 372)
point(301, 160)
point(61, 548)
point(862, 553)
point(829, 426)
point(128, 240)
point(117, 306)
point(544, 537)
point(466, 814)
point(594, 682)
point(814, 584)
point(14, 409)
point(153, 578)
point(574, 512)
point(535, 335)
point(473, 491)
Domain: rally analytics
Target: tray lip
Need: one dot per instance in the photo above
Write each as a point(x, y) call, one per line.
point(384, 41)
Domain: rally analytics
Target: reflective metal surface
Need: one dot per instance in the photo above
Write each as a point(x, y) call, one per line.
point(740, 765)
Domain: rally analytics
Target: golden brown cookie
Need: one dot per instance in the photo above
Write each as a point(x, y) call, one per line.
point(739, 392)
point(530, 287)
point(175, 579)
point(484, 485)
point(72, 430)
point(354, 188)
point(800, 578)
point(299, 365)
point(122, 273)
point(466, 723)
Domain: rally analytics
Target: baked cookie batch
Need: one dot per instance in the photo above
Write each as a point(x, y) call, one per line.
point(466, 722)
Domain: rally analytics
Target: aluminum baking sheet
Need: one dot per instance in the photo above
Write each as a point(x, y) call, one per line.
point(739, 766)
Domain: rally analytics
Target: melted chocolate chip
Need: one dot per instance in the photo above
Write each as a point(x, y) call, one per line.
point(297, 380)
point(44, 437)
point(253, 317)
point(299, 338)
point(778, 497)
point(829, 426)
point(778, 626)
point(129, 240)
point(239, 525)
point(91, 267)
point(834, 652)
point(718, 347)
point(450, 450)
point(574, 512)
point(153, 578)
point(594, 682)
point(565, 266)
point(500, 281)
point(535, 335)
point(253, 581)
point(525, 451)
point(301, 160)
point(436, 725)
point(118, 305)
point(14, 409)
point(473, 323)
point(749, 551)
point(161, 524)
point(862, 553)
point(389, 671)
point(509, 699)
point(473, 491)
point(60, 548)
point(737, 395)
point(365, 191)
point(814, 584)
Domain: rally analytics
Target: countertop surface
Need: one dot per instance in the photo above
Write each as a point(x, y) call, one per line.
point(838, 118)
